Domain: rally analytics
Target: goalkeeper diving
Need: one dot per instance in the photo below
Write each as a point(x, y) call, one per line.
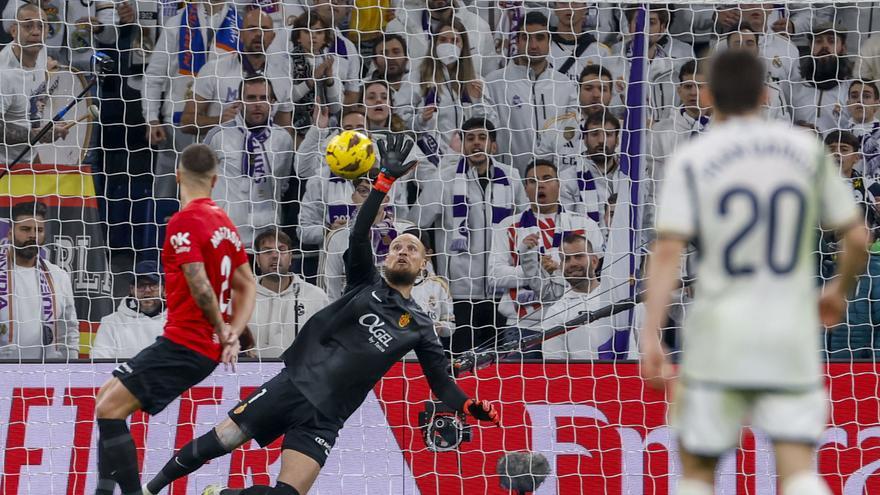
point(337, 359)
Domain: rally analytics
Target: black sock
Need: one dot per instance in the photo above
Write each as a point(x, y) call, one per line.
point(189, 458)
point(117, 457)
point(280, 488)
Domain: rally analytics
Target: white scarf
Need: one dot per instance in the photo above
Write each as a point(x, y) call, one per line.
point(7, 291)
point(501, 199)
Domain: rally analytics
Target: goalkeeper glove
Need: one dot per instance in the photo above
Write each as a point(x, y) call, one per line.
point(394, 150)
point(482, 410)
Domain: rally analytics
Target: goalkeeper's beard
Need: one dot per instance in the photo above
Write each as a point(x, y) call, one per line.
point(401, 276)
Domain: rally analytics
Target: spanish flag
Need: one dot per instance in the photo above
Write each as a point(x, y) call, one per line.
point(75, 238)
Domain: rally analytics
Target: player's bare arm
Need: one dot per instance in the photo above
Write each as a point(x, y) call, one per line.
point(663, 271)
point(244, 291)
point(203, 294)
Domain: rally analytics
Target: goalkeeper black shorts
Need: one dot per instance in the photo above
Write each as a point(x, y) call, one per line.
point(162, 372)
point(279, 408)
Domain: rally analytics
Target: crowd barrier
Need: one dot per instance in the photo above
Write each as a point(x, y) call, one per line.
point(601, 429)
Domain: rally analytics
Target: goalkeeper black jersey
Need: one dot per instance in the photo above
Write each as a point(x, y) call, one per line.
point(344, 349)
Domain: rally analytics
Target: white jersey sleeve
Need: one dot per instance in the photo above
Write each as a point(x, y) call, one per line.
point(677, 205)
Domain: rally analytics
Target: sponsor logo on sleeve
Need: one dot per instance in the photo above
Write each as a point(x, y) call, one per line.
point(181, 243)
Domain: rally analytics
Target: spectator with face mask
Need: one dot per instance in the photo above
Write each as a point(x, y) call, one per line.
point(819, 99)
point(139, 320)
point(421, 24)
point(285, 301)
point(255, 162)
point(449, 90)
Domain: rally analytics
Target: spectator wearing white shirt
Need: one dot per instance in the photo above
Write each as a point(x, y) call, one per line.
point(418, 198)
point(23, 92)
point(421, 24)
point(450, 91)
point(532, 100)
point(590, 341)
point(216, 97)
point(285, 301)
point(74, 29)
point(326, 204)
point(776, 106)
point(666, 55)
point(390, 64)
point(313, 69)
point(347, 58)
point(862, 104)
point(779, 53)
point(589, 179)
point(595, 93)
point(200, 29)
point(818, 101)
point(138, 321)
point(478, 193)
point(572, 46)
point(525, 257)
point(37, 314)
point(255, 162)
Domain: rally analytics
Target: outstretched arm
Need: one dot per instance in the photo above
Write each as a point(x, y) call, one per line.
point(359, 265)
point(436, 366)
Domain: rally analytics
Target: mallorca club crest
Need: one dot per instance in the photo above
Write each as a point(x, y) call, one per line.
point(404, 320)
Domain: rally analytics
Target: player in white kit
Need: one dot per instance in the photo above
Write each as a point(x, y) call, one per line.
point(750, 194)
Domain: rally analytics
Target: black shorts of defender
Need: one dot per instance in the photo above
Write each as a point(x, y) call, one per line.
point(279, 408)
point(162, 372)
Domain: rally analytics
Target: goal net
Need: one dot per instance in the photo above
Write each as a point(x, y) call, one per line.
point(541, 132)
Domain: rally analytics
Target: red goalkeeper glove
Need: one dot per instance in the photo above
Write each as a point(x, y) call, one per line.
point(482, 410)
point(394, 150)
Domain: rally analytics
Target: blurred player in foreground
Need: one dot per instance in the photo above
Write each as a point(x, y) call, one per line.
point(750, 194)
point(210, 296)
point(333, 364)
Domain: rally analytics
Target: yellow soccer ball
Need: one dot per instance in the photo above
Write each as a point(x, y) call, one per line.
point(351, 154)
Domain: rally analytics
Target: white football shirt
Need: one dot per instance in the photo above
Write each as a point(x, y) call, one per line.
point(751, 194)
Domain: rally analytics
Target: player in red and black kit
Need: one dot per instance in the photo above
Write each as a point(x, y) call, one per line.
point(336, 360)
point(210, 291)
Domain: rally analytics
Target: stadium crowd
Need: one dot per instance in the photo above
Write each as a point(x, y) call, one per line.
point(518, 111)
